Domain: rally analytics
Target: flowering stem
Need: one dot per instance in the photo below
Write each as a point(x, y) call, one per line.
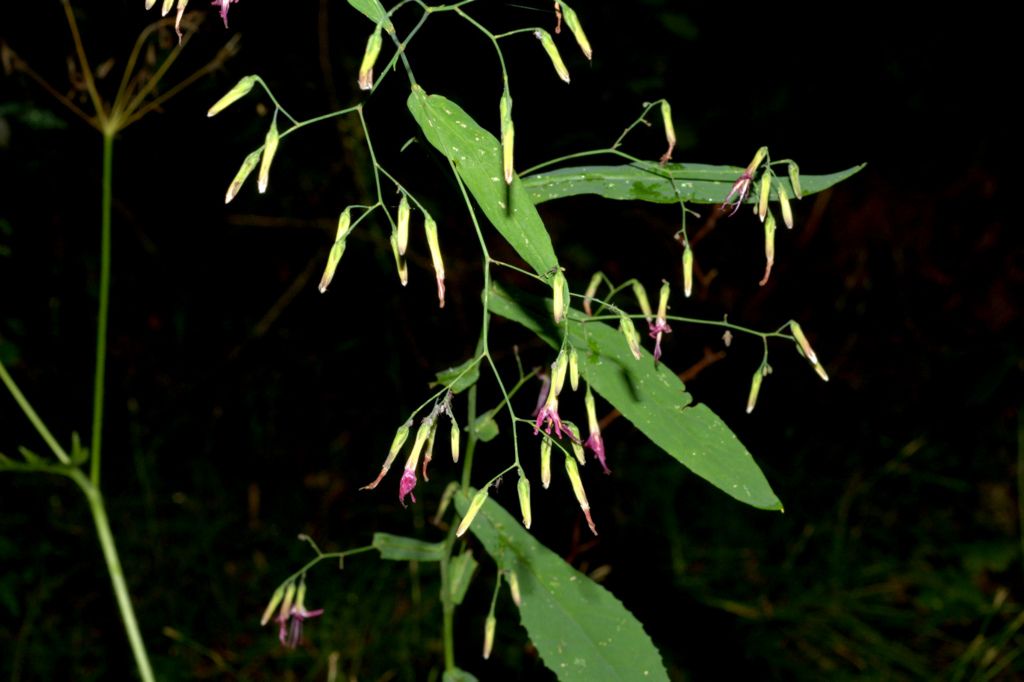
point(104, 309)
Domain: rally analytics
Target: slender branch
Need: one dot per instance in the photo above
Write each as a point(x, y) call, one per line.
point(33, 417)
point(83, 61)
point(99, 378)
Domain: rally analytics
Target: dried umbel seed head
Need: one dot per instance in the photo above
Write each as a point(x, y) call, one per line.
point(573, 22)
point(269, 150)
point(548, 43)
point(559, 304)
point(687, 271)
point(241, 89)
point(244, 172)
point(373, 45)
point(474, 508)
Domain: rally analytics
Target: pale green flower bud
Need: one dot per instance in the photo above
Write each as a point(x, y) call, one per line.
point(755, 388)
point(663, 300)
point(548, 43)
point(794, 178)
point(507, 137)
point(628, 330)
point(344, 224)
point(269, 150)
point(168, 4)
point(333, 258)
point(559, 304)
point(670, 130)
point(524, 499)
point(576, 444)
point(687, 271)
point(286, 604)
point(247, 168)
point(400, 264)
point(430, 227)
point(373, 45)
point(764, 193)
point(573, 22)
point(577, 488)
point(588, 297)
point(150, 3)
point(769, 246)
point(490, 625)
point(756, 161)
point(545, 462)
point(558, 371)
point(474, 509)
point(574, 368)
point(403, 224)
point(787, 210)
point(805, 349)
point(241, 89)
point(401, 435)
point(513, 588)
point(274, 601)
point(641, 298)
point(456, 440)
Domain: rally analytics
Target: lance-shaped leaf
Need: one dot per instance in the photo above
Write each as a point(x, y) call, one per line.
point(477, 158)
point(692, 182)
point(400, 548)
point(581, 631)
point(374, 11)
point(460, 377)
point(652, 397)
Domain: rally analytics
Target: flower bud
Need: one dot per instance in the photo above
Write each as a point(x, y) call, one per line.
point(455, 436)
point(663, 300)
point(687, 271)
point(408, 482)
point(400, 264)
point(507, 137)
point(558, 303)
point(756, 161)
point(558, 370)
point(755, 388)
point(769, 246)
point(168, 4)
point(628, 330)
point(241, 89)
point(286, 603)
point(548, 43)
point(490, 625)
point(401, 435)
point(577, 489)
point(269, 149)
point(373, 45)
point(333, 258)
point(344, 224)
point(595, 282)
point(513, 588)
point(576, 443)
point(523, 488)
point(545, 462)
point(474, 509)
point(787, 210)
point(763, 195)
point(430, 227)
point(149, 4)
point(670, 130)
point(247, 168)
point(574, 368)
point(641, 298)
point(573, 22)
point(428, 451)
point(274, 601)
point(794, 179)
point(801, 339)
point(403, 224)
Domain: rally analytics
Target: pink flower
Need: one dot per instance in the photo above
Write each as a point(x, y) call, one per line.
point(406, 485)
point(740, 188)
point(290, 624)
point(549, 414)
point(224, 6)
point(596, 445)
point(657, 328)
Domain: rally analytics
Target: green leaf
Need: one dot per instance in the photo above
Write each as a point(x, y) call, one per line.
point(485, 427)
point(460, 572)
point(457, 675)
point(477, 158)
point(652, 398)
point(400, 548)
point(695, 182)
point(457, 379)
point(374, 11)
point(580, 629)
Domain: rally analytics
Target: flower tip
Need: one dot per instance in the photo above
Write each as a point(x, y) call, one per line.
point(590, 521)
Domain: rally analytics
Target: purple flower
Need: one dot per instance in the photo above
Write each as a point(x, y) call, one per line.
point(657, 328)
point(740, 188)
point(407, 484)
point(549, 414)
point(596, 445)
point(290, 624)
point(224, 6)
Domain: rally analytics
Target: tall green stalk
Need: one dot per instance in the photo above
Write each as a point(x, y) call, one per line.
point(104, 308)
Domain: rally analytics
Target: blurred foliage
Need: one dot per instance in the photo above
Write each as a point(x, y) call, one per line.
point(245, 408)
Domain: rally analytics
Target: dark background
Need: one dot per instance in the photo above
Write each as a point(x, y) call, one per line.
point(245, 408)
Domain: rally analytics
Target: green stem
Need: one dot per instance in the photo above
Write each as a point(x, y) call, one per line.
point(110, 556)
point(104, 309)
point(38, 423)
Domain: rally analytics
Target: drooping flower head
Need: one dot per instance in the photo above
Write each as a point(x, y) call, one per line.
point(224, 5)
